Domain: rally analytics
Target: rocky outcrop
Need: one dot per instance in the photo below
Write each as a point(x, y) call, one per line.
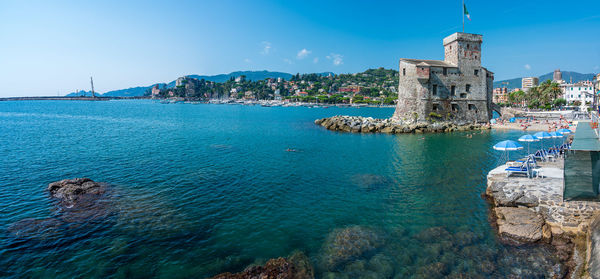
point(359, 124)
point(70, 191)
point(533, 211)
point(296, 266)
point(520, 224)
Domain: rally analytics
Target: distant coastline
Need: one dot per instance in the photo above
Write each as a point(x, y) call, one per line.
point(66, 98)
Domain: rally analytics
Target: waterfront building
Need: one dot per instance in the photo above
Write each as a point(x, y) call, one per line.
point(155, 91)
point(581, 91)
point(529, 82)
point(500, 95)
point(457, 88)
point(597, 84)
point(351, 89)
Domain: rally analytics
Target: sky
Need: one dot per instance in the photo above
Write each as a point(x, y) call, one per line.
point(53, 47)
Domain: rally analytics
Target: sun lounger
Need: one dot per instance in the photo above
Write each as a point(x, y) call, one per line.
point(525, 168)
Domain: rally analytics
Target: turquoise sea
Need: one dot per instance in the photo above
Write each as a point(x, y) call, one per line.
point(197, 190)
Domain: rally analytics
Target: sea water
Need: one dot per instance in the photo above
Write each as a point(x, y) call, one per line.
point(197, 190)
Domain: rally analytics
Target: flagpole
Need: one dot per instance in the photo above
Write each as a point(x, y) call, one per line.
point(463, 17)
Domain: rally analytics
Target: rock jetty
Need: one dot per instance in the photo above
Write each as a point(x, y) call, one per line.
point(359, 124)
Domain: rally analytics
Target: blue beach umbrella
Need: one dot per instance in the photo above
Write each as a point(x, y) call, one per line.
point(555, 135)
point(543, 135)
point(508, 145)
point(528, 139)
point(565, 131)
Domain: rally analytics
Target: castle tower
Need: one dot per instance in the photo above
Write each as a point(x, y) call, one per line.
point(455, 89)
point(463, 50)
point(557, 75)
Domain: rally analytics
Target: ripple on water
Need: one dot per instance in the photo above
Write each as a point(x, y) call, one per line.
point(201, 190)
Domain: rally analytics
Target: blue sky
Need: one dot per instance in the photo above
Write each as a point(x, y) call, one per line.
point(52, 47)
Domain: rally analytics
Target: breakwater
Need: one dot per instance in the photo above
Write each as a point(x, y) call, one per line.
point(359, 124)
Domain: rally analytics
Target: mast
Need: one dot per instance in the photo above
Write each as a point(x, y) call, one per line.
point(463, 13)
point(92, 82)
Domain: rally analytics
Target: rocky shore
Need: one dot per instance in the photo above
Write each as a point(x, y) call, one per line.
point(532, 211)
point(359, 124)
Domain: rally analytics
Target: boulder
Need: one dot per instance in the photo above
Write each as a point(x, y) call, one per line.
point(387, 130)
point(69, 191)
point(519, 225)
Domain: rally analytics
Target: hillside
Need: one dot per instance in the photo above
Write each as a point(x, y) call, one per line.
point(140, 90)
point(567, 76)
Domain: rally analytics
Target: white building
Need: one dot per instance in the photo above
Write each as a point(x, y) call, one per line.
point(529, 82)
point(581, 91)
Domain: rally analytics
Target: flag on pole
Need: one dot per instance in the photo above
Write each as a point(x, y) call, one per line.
point(466, 12)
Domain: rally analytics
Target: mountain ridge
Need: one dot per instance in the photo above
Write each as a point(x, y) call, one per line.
point(566, 75)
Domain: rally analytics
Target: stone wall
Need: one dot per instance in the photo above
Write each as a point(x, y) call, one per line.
point(533, 211)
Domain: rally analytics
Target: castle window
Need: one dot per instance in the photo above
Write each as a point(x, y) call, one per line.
point(434, 90)
point(468, 88)
point(467, 45)
point(463, 95)
point(436, 107)
point(476, 72)
point(453, 90)
point(403, 71)
point(472, 107)
point(455, 107)
point(444, 71)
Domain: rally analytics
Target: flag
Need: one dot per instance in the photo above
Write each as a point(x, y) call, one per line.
point(466, 12)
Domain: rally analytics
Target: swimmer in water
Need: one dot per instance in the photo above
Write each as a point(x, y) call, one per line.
point(291, 150)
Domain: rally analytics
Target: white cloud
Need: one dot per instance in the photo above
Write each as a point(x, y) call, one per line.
point(247, 60)
point(336, 59)
point(266, 48)
point(303, 53)
point(287, 61)
point(316, 60)
point(527, 67)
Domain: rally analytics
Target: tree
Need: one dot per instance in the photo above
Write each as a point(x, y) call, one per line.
point(560, 102)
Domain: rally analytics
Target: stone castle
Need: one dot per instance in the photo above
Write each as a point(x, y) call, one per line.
point(456, 89)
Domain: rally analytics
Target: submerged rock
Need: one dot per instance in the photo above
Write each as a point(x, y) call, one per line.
point(519, 225)
point(371, 182)
point(41, 229)
point(296, 266)
point(343, 245)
